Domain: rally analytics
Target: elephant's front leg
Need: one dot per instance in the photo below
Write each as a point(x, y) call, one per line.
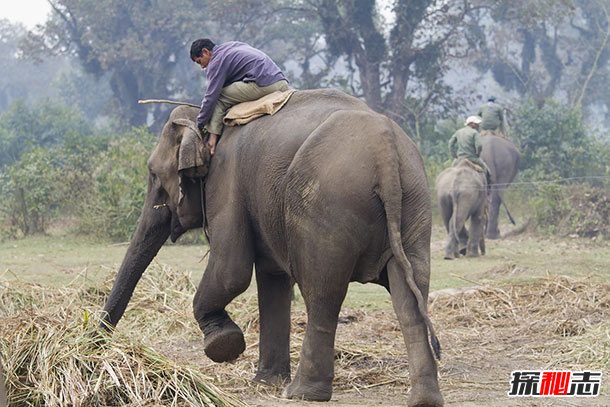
point(274, 296)
point(227, 275)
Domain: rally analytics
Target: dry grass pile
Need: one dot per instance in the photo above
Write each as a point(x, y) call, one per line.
point(55, 355)
point(559, 322)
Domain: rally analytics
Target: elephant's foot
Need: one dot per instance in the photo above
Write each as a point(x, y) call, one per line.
point(310, 390)
point(223, 341)
point(425, 393)
point(450, 253)
point(472, 253)
point(492, 234)
point(272, 378)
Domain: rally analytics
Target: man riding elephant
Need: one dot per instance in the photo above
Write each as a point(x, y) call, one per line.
point(236, 72)
point(492, 115)
point(465, 144)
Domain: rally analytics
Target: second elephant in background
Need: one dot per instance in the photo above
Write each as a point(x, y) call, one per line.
point(461, 193)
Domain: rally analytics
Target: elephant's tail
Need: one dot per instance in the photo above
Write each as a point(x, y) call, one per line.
point(455, 199)
point(510, 217)
point(403, 262)
point(391, 194)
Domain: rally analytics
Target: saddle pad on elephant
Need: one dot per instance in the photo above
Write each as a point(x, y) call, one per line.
point(497, 133)
point(468, 163)
point(245, 112)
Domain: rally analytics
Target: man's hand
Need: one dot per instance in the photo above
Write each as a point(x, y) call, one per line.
point(212, 143)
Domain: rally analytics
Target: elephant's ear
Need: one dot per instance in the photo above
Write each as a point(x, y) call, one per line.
point(193, 156)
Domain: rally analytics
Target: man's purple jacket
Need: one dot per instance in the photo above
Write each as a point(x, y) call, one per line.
point(231, 62)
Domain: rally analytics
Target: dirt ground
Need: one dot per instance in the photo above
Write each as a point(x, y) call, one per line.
point(486, 332)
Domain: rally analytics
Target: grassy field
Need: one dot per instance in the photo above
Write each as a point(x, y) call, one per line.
point(57, 260)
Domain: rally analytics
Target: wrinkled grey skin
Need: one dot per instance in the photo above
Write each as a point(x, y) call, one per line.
point(324, 192)
point(461, 193)
point(502, 158)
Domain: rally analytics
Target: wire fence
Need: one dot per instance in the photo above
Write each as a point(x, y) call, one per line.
point(527, 185)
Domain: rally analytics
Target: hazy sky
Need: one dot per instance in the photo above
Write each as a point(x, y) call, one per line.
point(28, 12)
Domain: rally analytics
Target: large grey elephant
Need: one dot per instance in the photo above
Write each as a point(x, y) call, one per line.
point(502, 158)
point(324, 192)
point(462, 196)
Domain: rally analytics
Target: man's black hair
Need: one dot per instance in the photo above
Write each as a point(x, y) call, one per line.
point(199, 45)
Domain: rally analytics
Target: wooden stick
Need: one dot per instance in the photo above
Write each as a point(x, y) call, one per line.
point(171, 102)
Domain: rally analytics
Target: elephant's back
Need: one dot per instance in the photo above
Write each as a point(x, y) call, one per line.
point(501, 156)
point(493, 147)
point(325, 99)
point(444, 181)
point(459, 179)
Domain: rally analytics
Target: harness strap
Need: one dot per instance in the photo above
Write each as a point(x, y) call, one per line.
point(203, 209)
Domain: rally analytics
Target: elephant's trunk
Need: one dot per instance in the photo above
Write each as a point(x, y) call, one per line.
point(152, 231)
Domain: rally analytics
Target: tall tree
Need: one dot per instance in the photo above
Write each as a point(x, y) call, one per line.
point(137, 43)
point(20, 79)
point(400, 58)
point(561, 48)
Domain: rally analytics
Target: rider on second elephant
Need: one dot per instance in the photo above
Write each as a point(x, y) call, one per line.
point(492, 116)
point(466, 144)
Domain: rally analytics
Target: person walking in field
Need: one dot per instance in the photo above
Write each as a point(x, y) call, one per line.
point(236, 73)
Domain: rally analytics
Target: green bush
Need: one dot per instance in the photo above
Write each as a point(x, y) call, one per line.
point(549, 207)
point(46, 124)
point(577, 210)
point(32, 191)
point(555, 143)
point(119, 185)
point(436, 145)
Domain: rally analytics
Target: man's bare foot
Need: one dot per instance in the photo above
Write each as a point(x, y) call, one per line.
point(212, 142)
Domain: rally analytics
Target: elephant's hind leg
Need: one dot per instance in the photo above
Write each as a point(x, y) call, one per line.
point(452, 246)
point(494, 209)
point(463, 240)
point(422, 366)
point(274, 296)
point(322, 271)
point(314, 377)
point(477, 231)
